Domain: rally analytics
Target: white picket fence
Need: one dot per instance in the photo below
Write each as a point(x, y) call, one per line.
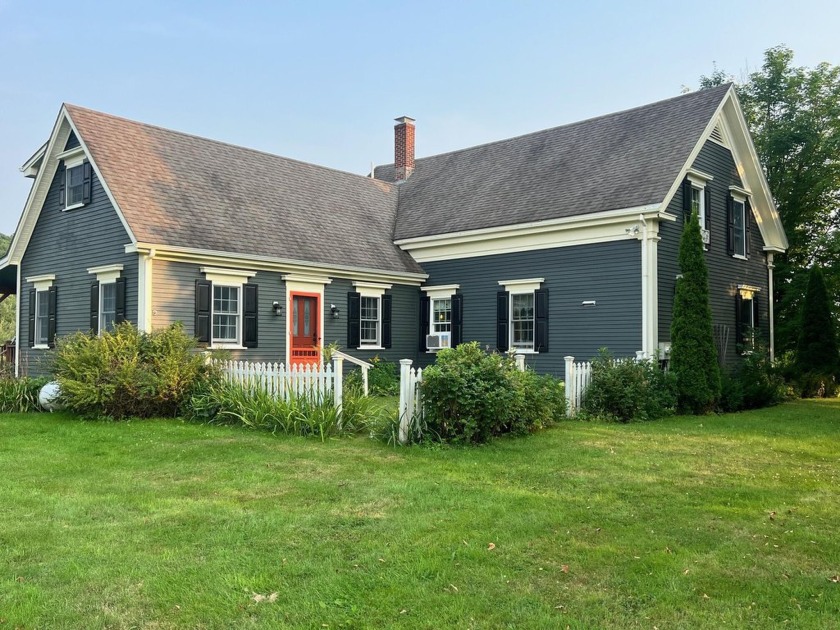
point(313, 382)
point(411, 400)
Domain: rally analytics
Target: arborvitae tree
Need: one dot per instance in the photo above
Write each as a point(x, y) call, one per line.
point(817, 352)
point(694, 359)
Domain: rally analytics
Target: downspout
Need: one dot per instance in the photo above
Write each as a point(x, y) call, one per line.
point(770, 309)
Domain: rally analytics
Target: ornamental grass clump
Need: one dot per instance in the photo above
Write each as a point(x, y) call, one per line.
point(129, 373)
point(470, 396)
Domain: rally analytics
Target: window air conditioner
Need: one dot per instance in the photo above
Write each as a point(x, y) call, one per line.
point(437, 341)
point(704, 234)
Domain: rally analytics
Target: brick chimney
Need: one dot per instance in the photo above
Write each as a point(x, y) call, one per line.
point(403, 148)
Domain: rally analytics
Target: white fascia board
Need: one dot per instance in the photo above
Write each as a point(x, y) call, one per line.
point(270, 263)
point(32, 165)
point(599, 227)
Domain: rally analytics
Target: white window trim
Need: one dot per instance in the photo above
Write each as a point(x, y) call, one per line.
point(371, 290)
point(223, 277)
point(106, 273)
point(739, 196)
point(438, 292)
point(74, 159)
point(521, 287)
point(749, 293)
point(42, 285)
point(699, 180)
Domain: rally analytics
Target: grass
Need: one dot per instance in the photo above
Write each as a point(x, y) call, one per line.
point(711, 522)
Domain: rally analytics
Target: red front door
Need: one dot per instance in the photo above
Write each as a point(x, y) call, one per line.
point(305, 336)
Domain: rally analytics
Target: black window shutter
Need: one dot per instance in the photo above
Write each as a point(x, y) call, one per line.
point(87, 180)
point(424, 319)
point(386, 320)
point(747, 226)
point(707, 211)
point(32, 296)
point(502, 317)
point(203, 299)
point(120, 301)
point(94, 308)
point(541, 320)
point(730, 225)
point(457, 335)
point(756, 321)
point(687, 198)
point(250, 315)
point(354, 320)
point(53, 308)
point(739, 328)
point(62, 181)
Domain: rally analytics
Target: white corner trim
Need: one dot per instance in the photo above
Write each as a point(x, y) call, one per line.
point(737, 191)
point(71, 154)
point(698, 177)
point(522, 286)
point(106, 273)
point(304, 278)
point(144, 291)
point(219, 275)
point(371, 289)
point(441, 291)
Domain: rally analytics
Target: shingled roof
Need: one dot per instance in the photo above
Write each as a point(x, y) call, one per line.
point(621, 160)
point(181, 190)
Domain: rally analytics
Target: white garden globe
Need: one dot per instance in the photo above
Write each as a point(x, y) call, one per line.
point(48, 396)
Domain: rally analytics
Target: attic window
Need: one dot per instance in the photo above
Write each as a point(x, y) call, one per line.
point(75, 188)
point(75, 185)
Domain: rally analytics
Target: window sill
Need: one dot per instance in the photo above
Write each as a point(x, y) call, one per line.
point(226, 345)
point(523, 351)
point(370, 348)
point(739, 257)
point(73, 207)
point(41, 346)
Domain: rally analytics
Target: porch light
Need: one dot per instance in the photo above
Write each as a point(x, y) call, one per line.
point(335, 311)
point(275, 306)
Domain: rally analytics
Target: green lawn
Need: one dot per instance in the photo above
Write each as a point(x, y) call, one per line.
point(728, 521)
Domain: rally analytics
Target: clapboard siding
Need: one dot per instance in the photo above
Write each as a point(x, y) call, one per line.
point(67, 243)
point(609, 273)
point(725, 272)
point(173, 299)
point(405, 306)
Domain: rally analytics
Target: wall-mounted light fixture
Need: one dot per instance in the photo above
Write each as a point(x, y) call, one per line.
point(588, 303)
point(275, 306)
point(335, 311)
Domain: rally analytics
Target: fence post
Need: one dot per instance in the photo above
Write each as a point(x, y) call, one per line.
point(338, 384)
point(570, 384)
point(640, 356)
point(365, 379)
point(520, 362)
point(405, 404)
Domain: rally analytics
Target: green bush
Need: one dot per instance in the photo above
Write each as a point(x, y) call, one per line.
point(470, 396)
point(383, 378)
point(817, 354)
point(20, 395)
point(629, 390)
point(222, 402)
point(128, 373)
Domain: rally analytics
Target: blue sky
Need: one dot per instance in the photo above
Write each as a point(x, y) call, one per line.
point(322, 81)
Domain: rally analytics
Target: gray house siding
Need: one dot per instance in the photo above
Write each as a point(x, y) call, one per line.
point(173, 295)
point(725, 272)
point(405, 306)
point(67, 243)
point(609, 273)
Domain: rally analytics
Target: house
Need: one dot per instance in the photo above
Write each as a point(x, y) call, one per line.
point(554, 243)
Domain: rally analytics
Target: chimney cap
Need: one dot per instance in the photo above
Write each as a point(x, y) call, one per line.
point(404, 119)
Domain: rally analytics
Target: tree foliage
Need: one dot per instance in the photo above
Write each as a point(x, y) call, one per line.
point(794, 118)
point(694, 359)
point(7, 306)
point(816, 351)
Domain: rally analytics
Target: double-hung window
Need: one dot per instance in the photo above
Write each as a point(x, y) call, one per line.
point(698, 199)
point(739, 227)
point(42, 305)
point(107, 306)
point(74, 185)
point(747, 317)
point(107, 298)
point(226, 314)
point(42, 318)
point(522, 320)
point(522, 316)
point(441, 317)
point(226, 308)
point(369, 316)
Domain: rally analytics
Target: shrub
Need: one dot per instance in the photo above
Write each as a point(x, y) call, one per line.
point(470, 396)
point(383, 378)
point(754, 384)
point(20, 395)
point(694, 360)
point(223, 402)
point(626, 390)
point(128, 373)
point(817, 357)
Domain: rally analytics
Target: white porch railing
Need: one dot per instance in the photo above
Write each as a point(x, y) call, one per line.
point(314, 382)
point(362, 364)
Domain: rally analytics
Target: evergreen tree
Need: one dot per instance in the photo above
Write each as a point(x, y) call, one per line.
point(694, 360)
point(817, 351)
